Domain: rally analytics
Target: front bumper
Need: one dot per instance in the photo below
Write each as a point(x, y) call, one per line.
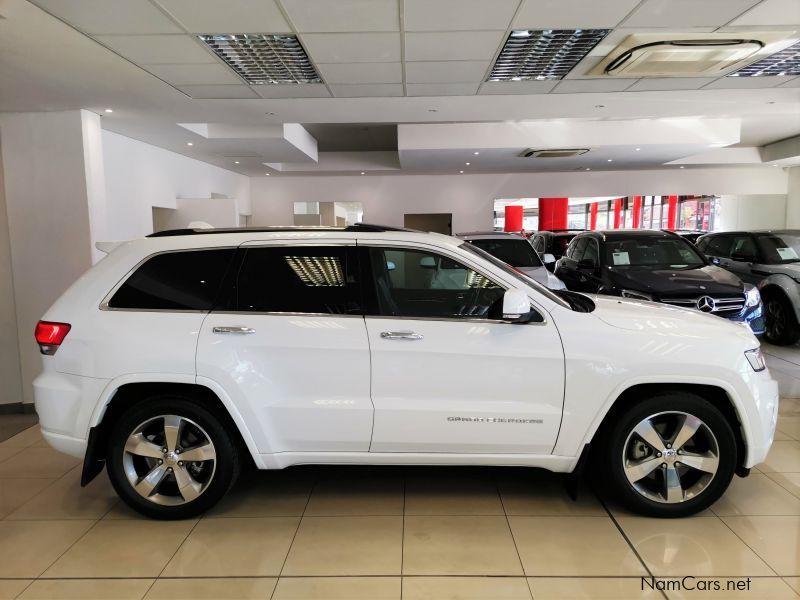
point(753, 317)
point(762, 418)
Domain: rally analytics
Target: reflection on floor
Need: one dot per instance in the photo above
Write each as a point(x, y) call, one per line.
point(372, 533)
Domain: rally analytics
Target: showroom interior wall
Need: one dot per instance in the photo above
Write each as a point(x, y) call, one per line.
point(386, 198)
point(793, 198)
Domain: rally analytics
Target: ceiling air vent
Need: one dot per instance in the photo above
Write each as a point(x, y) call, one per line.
point(784, 62)
point(262, 59)
point(560, 153)
point(543, 54)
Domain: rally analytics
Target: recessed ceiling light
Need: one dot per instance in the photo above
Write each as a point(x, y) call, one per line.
point(588, 169)
point(109, 110)
point(610, 160)
point(236, 162)
point(775, 165)
point(263, 58)
point(682, 167)
point(267, 174)
point(189, 144)
point(785, 62)
point(461, 171)
point(466, 164)
point(476, 153)
point(362, 172)
point(638, 149)
point(543, 54)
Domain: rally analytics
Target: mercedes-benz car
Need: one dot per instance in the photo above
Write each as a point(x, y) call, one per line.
point(180, 357)
point(553, 242)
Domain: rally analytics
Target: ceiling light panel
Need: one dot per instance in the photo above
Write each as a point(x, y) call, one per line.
point(783, 63)
point(543, 54)
point(264, 58)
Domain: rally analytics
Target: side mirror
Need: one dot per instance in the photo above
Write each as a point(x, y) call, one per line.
point(548, 258)
point(390, 266)
point(516, 306)
point(427, 262)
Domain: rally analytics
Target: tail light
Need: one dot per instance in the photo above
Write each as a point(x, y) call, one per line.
point(49, 336)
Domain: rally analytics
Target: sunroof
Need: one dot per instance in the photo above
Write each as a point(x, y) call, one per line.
point(543, 54)
point(785, 62)
point(262, 59)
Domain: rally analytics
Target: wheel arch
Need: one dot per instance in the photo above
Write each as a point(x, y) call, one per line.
point(785, 285)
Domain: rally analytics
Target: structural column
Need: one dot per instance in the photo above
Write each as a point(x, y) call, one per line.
point(553, 213)
point(593, 216)
point(637, 211)
point(617, 212)
point(672, 214)
point(514, 216)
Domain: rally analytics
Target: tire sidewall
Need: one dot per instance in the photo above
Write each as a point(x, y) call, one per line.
point(791, 331)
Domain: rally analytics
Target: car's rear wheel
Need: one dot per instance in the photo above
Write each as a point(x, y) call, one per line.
point(782, 328)
point(169, 458)
point(671, 455)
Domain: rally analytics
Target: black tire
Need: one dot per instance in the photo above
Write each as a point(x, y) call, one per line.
point(223, 470)
point(615, 448)
point(782, 328)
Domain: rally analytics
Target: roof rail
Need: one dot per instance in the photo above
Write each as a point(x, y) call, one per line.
point(358, 227)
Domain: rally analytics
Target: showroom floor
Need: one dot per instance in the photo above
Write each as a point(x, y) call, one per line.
point(352, 533)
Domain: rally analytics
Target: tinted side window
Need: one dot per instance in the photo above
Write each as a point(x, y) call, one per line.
point(591, 251)
point(175, 281)
point(417, 283)
point(538, 244)
point(319, 279)
point(744, 246)
point(719, 246)
point(576, 249)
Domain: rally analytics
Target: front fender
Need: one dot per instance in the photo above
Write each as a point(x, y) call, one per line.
point(786, 285)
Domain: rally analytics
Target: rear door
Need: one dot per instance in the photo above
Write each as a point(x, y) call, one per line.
point(289, 345)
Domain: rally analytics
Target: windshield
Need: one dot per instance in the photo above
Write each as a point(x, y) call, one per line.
point(652, 253)
point(780, 248)
point(514, 251)
point(515, 274)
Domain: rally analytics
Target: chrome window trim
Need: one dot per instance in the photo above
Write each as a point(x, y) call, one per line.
point(457, 320)
point(284, 314)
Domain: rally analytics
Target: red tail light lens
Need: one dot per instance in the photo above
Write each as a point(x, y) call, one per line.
point(49, 335)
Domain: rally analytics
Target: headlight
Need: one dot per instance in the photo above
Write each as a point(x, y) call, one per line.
point(636, 295)
point(756, 359)
point(753, 297)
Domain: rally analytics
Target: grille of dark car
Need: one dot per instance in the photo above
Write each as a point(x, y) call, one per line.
point(723, 305)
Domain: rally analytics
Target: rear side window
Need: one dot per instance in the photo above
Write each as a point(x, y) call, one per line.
point(512, 251)
point(175, 281)
point(577, 248)
point(719, 246)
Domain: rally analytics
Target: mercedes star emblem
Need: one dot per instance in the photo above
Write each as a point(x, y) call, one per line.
point(705, 304)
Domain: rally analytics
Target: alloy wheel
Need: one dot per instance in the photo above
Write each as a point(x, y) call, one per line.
point(169, 460)
point(776, 319)
point(670, 457)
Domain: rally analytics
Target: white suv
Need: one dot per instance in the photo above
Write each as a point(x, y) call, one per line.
point(179, 357)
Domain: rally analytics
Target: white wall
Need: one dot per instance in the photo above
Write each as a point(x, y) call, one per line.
point(140, 176)
point(793, 199)
point(217, 212)
point(751, 212)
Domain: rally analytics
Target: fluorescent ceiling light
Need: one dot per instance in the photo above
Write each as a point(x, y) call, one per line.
point(543, 54)
point(264, 58)
point(785, 62)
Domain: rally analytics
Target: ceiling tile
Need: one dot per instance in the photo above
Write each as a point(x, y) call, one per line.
point(230, 16)
point(193, 74)
point(771, 12)
point(157, 49)
point(572, 14)
point(306, 90)
point(217, 91)
point(343, 15)
point(670, 83)
point(677, 13)
point(458, 15)
point(517, 87)
point(110, 16)
point(449, 71)
point(442, 89)
point(746, 82)
point(354, 73)
point(478, 45)
point(352, 47)
point(367, 91)
point(792, 83)
point(578, 86)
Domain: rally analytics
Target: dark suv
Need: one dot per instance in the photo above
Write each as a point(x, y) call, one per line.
point(770, 260)
point(553, 242)
point(657, 266)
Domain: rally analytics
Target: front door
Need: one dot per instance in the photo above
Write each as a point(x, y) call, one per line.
point(447, 374)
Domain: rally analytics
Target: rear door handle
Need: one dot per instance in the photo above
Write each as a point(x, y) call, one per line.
point(401, 335)
point(234, 329)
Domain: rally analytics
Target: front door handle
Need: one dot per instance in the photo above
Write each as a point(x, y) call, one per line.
point(401, 335)
point(234, 329)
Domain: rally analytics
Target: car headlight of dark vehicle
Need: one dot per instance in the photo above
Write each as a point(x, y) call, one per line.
point(753, 295)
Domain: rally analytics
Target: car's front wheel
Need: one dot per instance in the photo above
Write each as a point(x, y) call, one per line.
point(782, 327)
point(169, 458)
point(671, 455)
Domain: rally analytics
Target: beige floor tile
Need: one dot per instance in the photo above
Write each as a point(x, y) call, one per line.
point(346, 546)
point(66, 499)
point(235, 547)
point(87, 589)
point(596, 588)
point(27, 548)
point(122, 549)
point(756, 495)
point(264, 495)
point(122, 512)
point(783, 457)
point(774, 539)
point(545, 495)
point(465, 588)
point(452, 496)
point(698, 547)
point(459, 545)
point(794, 582)
point(735, 588)
point(37, 463)
point(790, 426)
point(7, 452)
point(561, 546)
point(230, 588)
point(16, 492)
point(338, 588)
point(358, 496)
point(10, 588)
point(779, 436)
point(24, 438)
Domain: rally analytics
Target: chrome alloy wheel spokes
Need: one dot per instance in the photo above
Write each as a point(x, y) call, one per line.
point(169, 460)
point(670, 457)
